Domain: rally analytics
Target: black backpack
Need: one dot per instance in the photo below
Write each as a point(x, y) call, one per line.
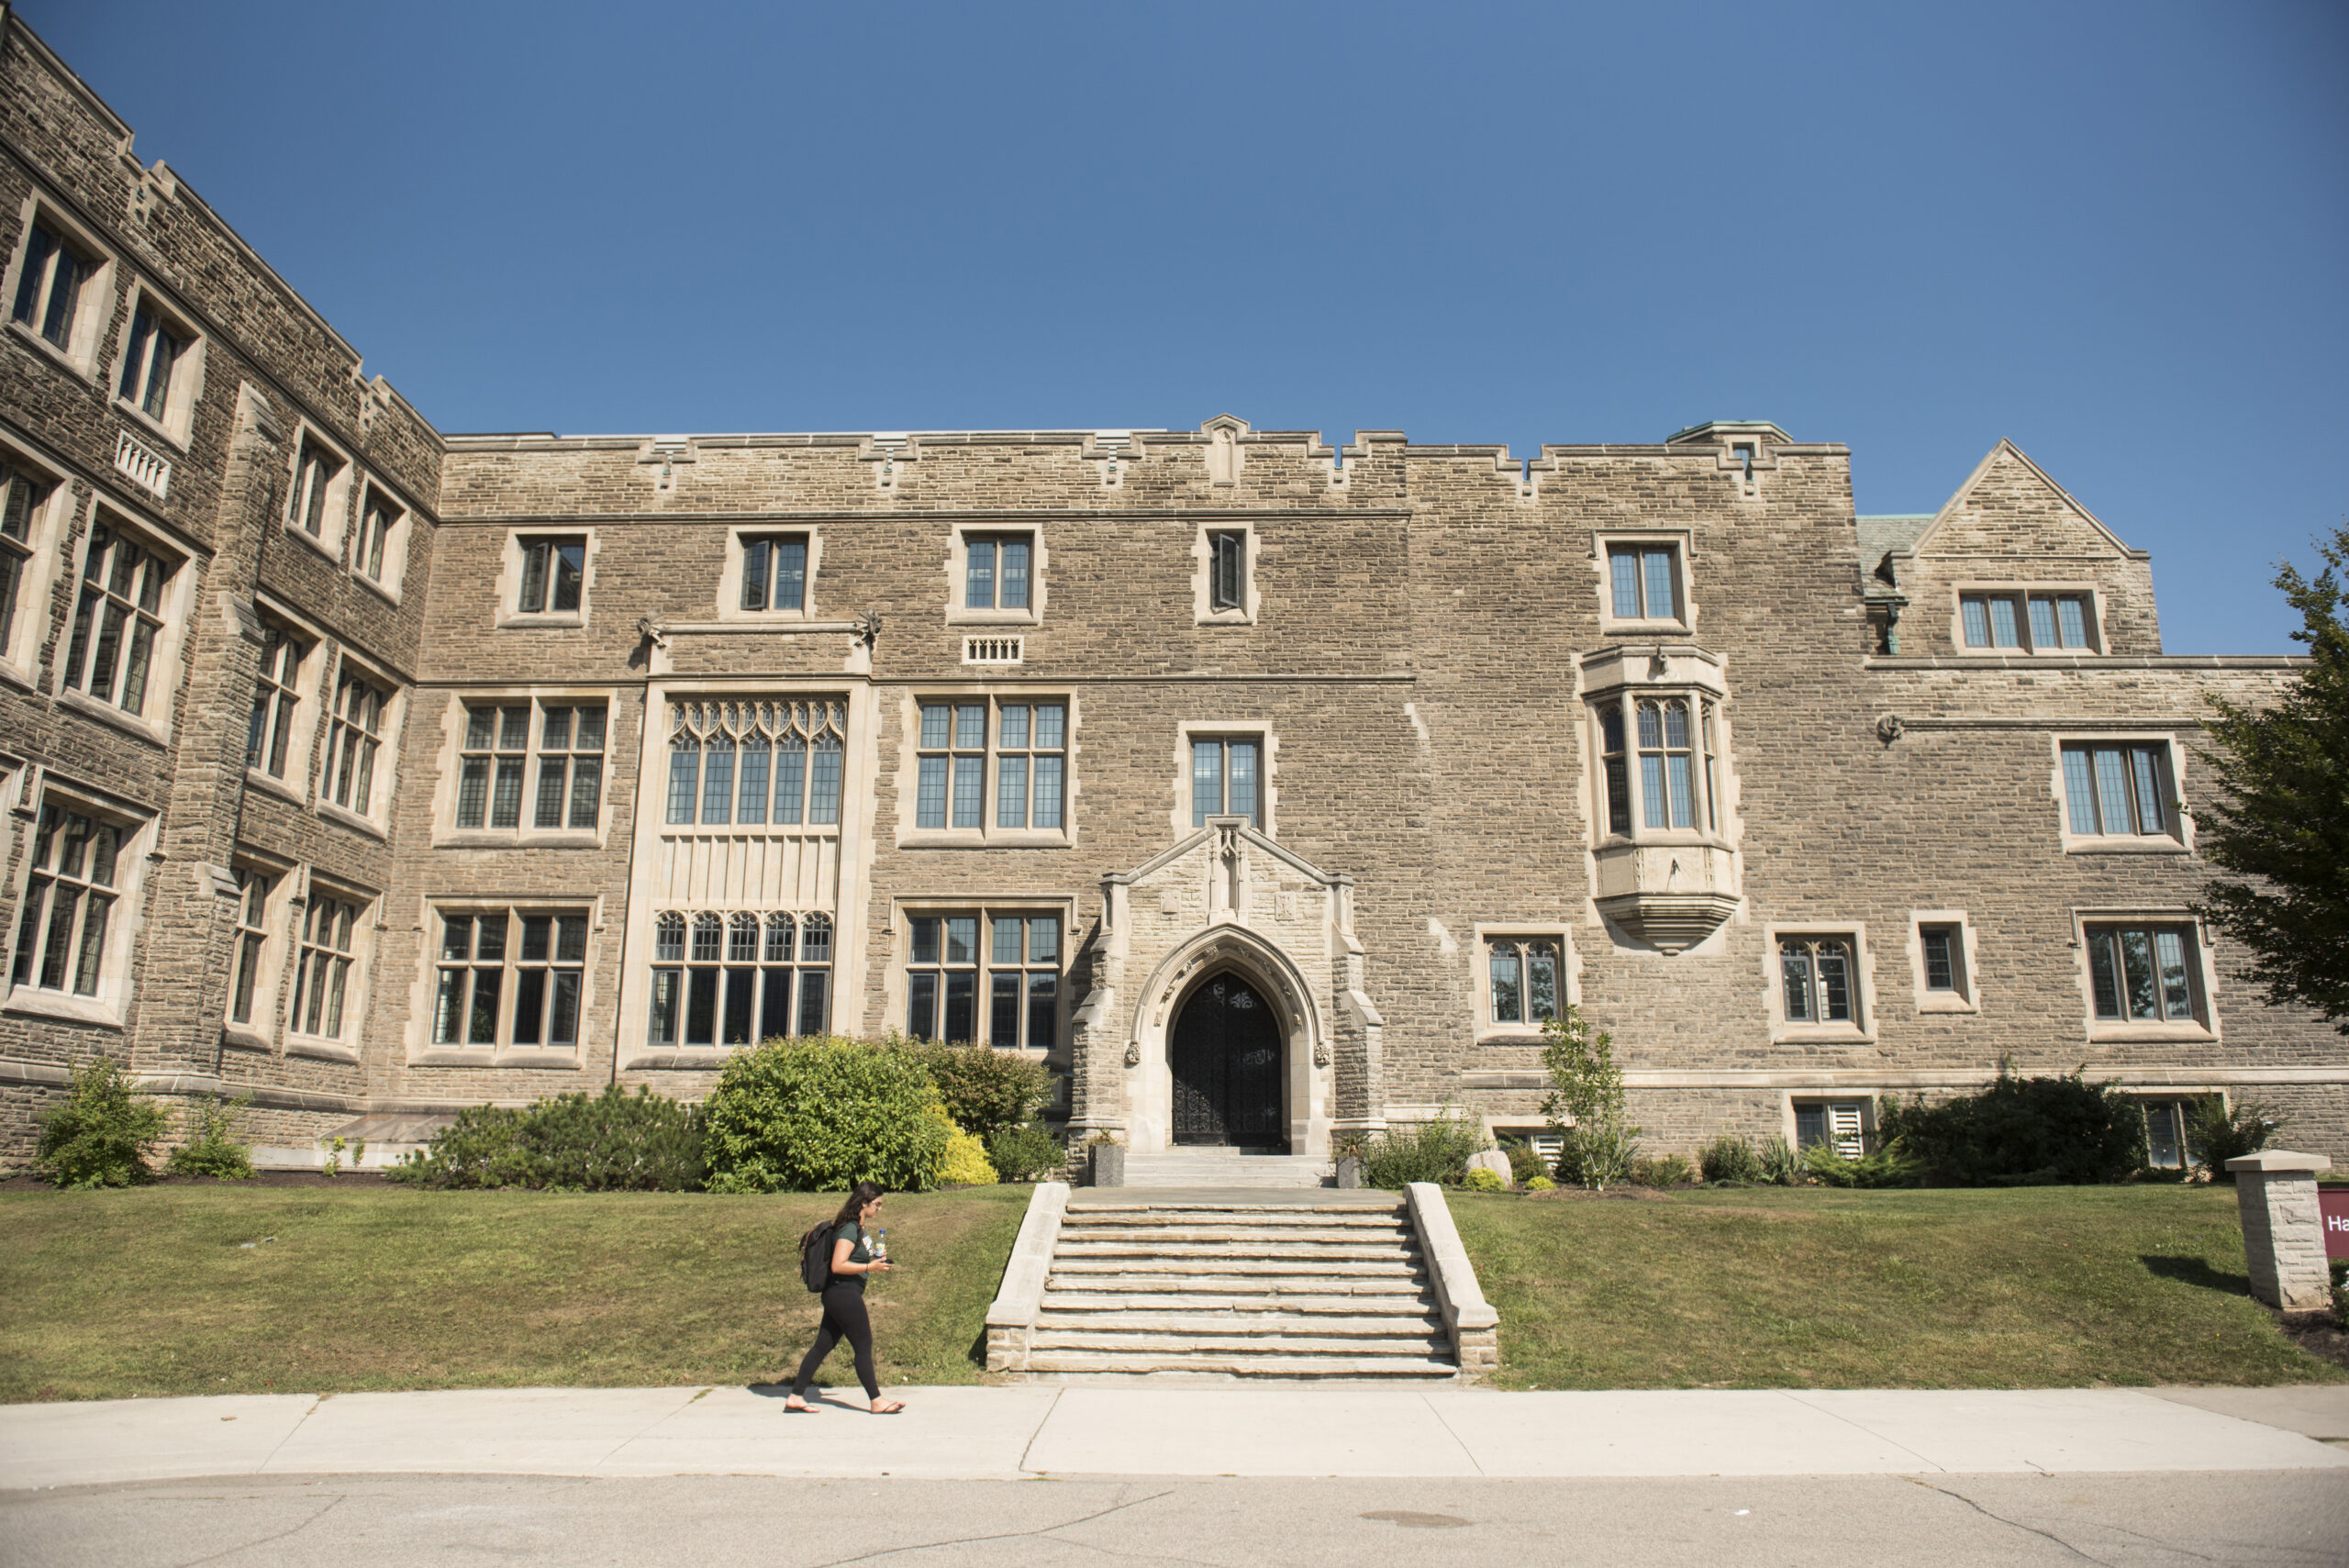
point(816, 1257)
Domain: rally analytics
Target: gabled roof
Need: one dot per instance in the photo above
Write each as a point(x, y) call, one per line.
point(2005, 448)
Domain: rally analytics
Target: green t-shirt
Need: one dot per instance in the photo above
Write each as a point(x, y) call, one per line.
point(853, 1234)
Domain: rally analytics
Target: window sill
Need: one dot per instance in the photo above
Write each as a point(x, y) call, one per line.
point(269, 784)
point(105, 713)
point(682, 1059)
point(55, 355)
point(1511, 1036)
point(2143, 1032)
point(490, 1056)
point(239, 1038)
point(149, 423)
point(16, 675)
point(389, 594)
point(57, 1004)
point(328, 811)
point(741, 617)
point(1610, 627)
point(994, 617)
point(505, 838)
point(1225, 618)
point(2135, 844)
point(563, 620)
point(1820, 1034)
point(1948, 1005)
point(972, 839)
point(566, 1060)
point(321, 1050)
point(332, 552)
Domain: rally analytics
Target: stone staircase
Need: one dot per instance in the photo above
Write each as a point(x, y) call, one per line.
point(1252, 1288)
point(1224, 1168)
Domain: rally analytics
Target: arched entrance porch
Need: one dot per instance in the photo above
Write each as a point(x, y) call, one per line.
point(1230, 1051)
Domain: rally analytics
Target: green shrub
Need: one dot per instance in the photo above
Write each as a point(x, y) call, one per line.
point(1826, 1164)
point(612, 1142)
point(212, 1148)
point(2021, 1132)
point(1524, 1164)
point(1483, 1180)
point(1026, 1152)
point(823, 1114)
point(1663, 1170)
point(983, 1089)
point(966, 1164)
point(2217, 1133)
point(1540, 1184)
point(100, 1135)
point(1729, 1159)
point(1585, 1102)
point(1434, 1150)
point(1781, 1166)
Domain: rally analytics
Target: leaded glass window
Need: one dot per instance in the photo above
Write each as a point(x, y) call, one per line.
point(1818, 980)
point(755, 763)
point(737, 979)
point(1225, 780)
point(1522, 977)
point(2144, 974)
point(962, 743)
point(985, 975)
point(2118, 788)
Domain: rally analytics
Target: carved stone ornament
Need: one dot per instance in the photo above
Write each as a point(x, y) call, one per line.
point(1890, 728)
point(1321, 1053)
point(1133, 1053)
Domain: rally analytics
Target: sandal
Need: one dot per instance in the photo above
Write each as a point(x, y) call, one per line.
point(891, 1407)
point(796, 1406)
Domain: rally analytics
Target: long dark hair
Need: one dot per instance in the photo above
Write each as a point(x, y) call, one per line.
point(854, 1207)
point(865, 1192)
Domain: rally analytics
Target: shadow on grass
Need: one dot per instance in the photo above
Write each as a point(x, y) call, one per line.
point(2194, 1271)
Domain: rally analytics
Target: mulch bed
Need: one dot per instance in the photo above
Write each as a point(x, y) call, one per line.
point(2319, 1333)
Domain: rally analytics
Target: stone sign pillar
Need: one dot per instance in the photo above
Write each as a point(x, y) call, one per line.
point(2283, 1236)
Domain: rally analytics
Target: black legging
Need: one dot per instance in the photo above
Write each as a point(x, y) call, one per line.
point(844, 1318)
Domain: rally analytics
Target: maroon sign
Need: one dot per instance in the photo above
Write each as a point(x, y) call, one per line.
point(2333, 1204)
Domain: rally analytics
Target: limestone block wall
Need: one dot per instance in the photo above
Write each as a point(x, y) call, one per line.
point(261, 370)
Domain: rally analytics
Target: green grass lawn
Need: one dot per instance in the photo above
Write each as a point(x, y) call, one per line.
point(1773, 1288)
point(148, 1292)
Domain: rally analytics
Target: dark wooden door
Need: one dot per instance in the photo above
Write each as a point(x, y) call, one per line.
point(1227, 1061)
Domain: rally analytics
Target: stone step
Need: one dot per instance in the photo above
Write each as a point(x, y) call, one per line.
point(1186, 1342)
point(1395, 1267)
point(1403, 1300)
point(1204, 1212)
point(1296, 1366)
point(1268, 1287)
point(1326, 1252)
point(1058, 1323)
point(1280, 1235)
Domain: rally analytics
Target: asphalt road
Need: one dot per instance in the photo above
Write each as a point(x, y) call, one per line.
point(2274, 1519)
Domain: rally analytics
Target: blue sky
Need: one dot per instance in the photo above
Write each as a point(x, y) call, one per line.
point(2111, 233)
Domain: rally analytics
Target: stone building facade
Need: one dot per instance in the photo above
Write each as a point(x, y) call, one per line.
point(1267, 789)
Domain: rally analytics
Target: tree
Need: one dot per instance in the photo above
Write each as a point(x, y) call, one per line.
point(1585, 1102)
point(2279, 818)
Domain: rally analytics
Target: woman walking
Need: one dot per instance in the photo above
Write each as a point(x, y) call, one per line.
point(851, 1259)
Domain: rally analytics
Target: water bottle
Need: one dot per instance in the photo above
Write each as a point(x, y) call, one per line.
point(881, 1245)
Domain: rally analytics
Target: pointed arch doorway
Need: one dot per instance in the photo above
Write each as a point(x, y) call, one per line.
point(1225, 1051)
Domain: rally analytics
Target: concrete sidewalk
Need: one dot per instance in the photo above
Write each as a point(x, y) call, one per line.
point(1101, 1430)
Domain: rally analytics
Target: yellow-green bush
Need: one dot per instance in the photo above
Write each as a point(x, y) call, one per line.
point(966, 1163)
point(1483, 1180)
